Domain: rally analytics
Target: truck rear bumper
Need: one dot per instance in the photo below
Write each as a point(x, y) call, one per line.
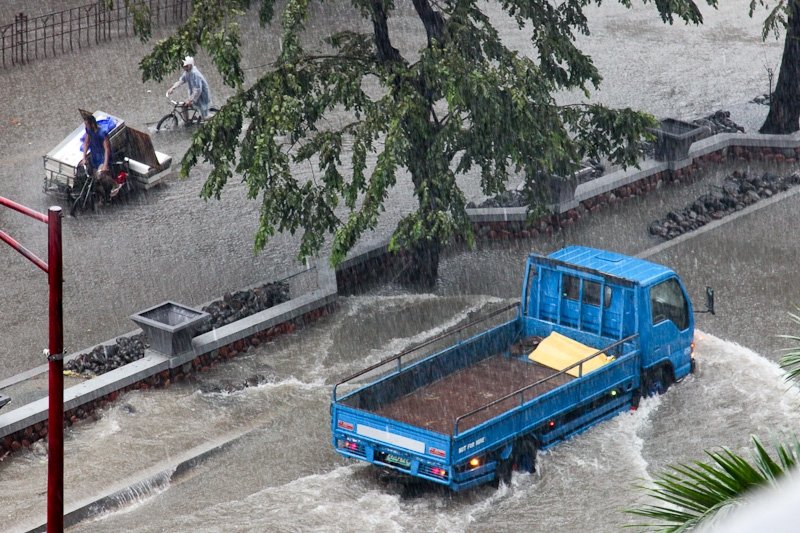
point(406, 464)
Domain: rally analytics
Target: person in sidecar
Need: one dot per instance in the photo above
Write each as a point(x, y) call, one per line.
point(196, 84)
point(97, 157)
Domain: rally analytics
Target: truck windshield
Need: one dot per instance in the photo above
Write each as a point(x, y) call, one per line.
point(668, 303)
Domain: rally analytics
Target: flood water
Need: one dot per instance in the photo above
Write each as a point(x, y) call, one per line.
point(279, 472)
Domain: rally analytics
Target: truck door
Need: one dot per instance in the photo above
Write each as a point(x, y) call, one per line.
point(672, 323)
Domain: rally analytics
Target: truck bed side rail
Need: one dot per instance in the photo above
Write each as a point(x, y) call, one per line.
point(520, 393)
point(398, 359)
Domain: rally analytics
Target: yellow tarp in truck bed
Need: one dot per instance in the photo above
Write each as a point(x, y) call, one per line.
point(559, 352)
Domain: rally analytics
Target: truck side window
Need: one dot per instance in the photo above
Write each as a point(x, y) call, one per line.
point(591, 293)
point(571, 289)
point(668, 303)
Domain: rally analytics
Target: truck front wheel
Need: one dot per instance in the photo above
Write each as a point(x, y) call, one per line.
point(657, 380)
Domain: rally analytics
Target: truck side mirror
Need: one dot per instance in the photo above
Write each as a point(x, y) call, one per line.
point(709, 301)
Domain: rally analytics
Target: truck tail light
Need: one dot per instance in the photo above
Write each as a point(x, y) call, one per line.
point(427, 469)
point(439, 472)
point(475, 462)
point(348, 445)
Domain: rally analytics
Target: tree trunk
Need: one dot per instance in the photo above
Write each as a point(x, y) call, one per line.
point(386, 52)
point(432, 20)
point(420, 262)
point(784, 105)
point(420, 266)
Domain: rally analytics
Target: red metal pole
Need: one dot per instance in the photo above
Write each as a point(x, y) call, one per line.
point(55, 426)
point(55, 355)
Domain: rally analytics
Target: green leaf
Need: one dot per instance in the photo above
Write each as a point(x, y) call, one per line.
point(335, 121)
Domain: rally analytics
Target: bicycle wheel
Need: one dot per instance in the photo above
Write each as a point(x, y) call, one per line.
point(167, 122)
point(84, 198)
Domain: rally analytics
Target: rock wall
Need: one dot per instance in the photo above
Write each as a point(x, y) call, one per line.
point(546, 225)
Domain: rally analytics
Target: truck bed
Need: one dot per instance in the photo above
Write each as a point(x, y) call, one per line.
point(437, 405)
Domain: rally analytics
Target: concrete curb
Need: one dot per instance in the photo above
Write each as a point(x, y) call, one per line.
point(153, 363)
point(131, 488)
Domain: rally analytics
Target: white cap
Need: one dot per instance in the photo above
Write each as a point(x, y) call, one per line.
point(188, 60)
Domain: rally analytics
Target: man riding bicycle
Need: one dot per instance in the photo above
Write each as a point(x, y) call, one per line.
point(199, 93)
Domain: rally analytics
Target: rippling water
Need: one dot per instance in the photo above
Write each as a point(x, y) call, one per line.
point(279, 472)
point(282, 475)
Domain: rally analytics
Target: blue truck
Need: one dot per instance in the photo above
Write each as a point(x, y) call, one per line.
point(593, 332)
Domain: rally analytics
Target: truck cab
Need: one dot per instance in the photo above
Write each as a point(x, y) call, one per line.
point(589, 291)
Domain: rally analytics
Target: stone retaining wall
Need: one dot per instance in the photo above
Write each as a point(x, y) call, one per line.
point(24, 438)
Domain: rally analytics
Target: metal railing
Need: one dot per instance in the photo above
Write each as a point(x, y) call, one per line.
point(521, 392)
point(398, 358)
point(301, 282)
point(30, 38)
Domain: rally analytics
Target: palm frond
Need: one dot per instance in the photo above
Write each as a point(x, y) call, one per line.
point(790, 361)
point(696, 492)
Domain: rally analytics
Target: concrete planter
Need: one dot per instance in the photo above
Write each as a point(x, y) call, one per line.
point(170, 327)
point(562, 189)
point(674, 137)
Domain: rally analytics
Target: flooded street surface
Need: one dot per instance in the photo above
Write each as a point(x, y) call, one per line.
point(283, 476)
point(279, 472)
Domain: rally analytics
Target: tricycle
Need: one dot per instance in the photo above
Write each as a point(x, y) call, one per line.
point(135, 164)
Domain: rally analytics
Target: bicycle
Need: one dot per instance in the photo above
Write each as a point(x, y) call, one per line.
point(83, 192)
point(179, 113)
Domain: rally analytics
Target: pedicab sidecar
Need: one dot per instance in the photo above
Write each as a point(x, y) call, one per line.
point(135, 163)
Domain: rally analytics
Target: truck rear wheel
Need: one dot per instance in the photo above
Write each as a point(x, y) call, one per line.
point(522, 459)
point(524, 455)
point(503, 472)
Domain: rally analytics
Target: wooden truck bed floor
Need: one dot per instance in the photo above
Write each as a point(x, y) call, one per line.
point(437, 405)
